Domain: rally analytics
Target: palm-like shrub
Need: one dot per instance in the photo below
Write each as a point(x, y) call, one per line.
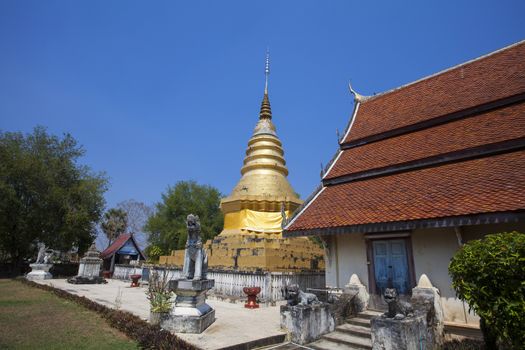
point(158, 293)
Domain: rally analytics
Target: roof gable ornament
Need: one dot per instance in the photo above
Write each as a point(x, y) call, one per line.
point(357, 96)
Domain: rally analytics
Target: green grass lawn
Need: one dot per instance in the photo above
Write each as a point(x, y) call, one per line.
point(31, 318)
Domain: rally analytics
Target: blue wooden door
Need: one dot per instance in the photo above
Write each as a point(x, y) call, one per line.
point(391, 265)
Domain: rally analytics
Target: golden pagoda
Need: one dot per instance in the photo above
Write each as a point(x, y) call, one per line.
point(252, 235)
point(256, 202)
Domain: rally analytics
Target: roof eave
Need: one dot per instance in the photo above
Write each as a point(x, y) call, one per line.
point(453, 221)
point(304, 206)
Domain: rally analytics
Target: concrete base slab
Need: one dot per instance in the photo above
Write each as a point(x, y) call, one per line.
point(196, 311)
point(39, 275)
point(189, 324)
point(86, 280)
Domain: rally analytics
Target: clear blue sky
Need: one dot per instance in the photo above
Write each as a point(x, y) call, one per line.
point(163, 91)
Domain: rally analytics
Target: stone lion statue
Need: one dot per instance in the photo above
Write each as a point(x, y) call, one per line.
point(397, 309)
point(295, 296)
point(195, 258)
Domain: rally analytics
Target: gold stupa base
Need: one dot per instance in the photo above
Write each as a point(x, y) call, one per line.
point(257, 252)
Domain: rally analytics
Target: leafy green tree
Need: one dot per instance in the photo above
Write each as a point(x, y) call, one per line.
point(167, 227)
point(114, 223)
point(489, 275)
point(45, 195)
point(153, 253)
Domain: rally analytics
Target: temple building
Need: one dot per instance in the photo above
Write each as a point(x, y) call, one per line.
point(421, 170)
point(253, 213)
point(122, 251)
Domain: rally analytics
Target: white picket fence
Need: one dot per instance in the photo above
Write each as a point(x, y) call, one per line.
point(231, 283)
point(122, 272)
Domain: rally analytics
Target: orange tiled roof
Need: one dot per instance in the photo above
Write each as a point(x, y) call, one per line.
point(491, 127)
point(490, 184)
point(118, 243)
point(490, 78)
point(410, 170)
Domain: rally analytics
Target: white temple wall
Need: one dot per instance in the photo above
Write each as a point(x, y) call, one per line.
point(348, 253)
point(330, 262)
point(432, 250)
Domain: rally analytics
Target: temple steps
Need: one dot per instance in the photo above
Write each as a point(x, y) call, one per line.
point(338, 339)
point(369, 314)
point(354, 334)
point(359, 321)
point(358, 331)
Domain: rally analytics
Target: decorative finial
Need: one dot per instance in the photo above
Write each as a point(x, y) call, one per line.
point(357, 97)
point(424, 282)
point(266, 111)
point(267, 70)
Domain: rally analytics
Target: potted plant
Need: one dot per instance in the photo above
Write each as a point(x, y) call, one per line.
point(159, 296)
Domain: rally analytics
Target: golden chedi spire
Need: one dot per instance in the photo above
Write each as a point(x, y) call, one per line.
point(266, 110)
point(263, 187)
point(251, 239)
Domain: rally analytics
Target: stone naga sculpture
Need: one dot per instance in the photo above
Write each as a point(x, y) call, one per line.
point(397, 309)
point(195, 258)
point(296, 296)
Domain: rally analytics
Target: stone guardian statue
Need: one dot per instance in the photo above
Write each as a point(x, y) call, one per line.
point(41, 254)
point(195, 258)
point(40, 268)
point(191, 314)
point(397, 309)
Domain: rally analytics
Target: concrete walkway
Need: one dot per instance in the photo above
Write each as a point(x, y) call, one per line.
point(234, 325)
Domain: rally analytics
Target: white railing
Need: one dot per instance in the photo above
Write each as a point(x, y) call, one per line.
point(122, 272)
point(231, 283)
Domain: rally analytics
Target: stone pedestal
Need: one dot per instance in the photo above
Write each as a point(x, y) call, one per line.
point(190, 314)
point(89, 268)
point(39, 272)
point(408, 333)
point(307, 323)
point(361, 299)
point(427, 302)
